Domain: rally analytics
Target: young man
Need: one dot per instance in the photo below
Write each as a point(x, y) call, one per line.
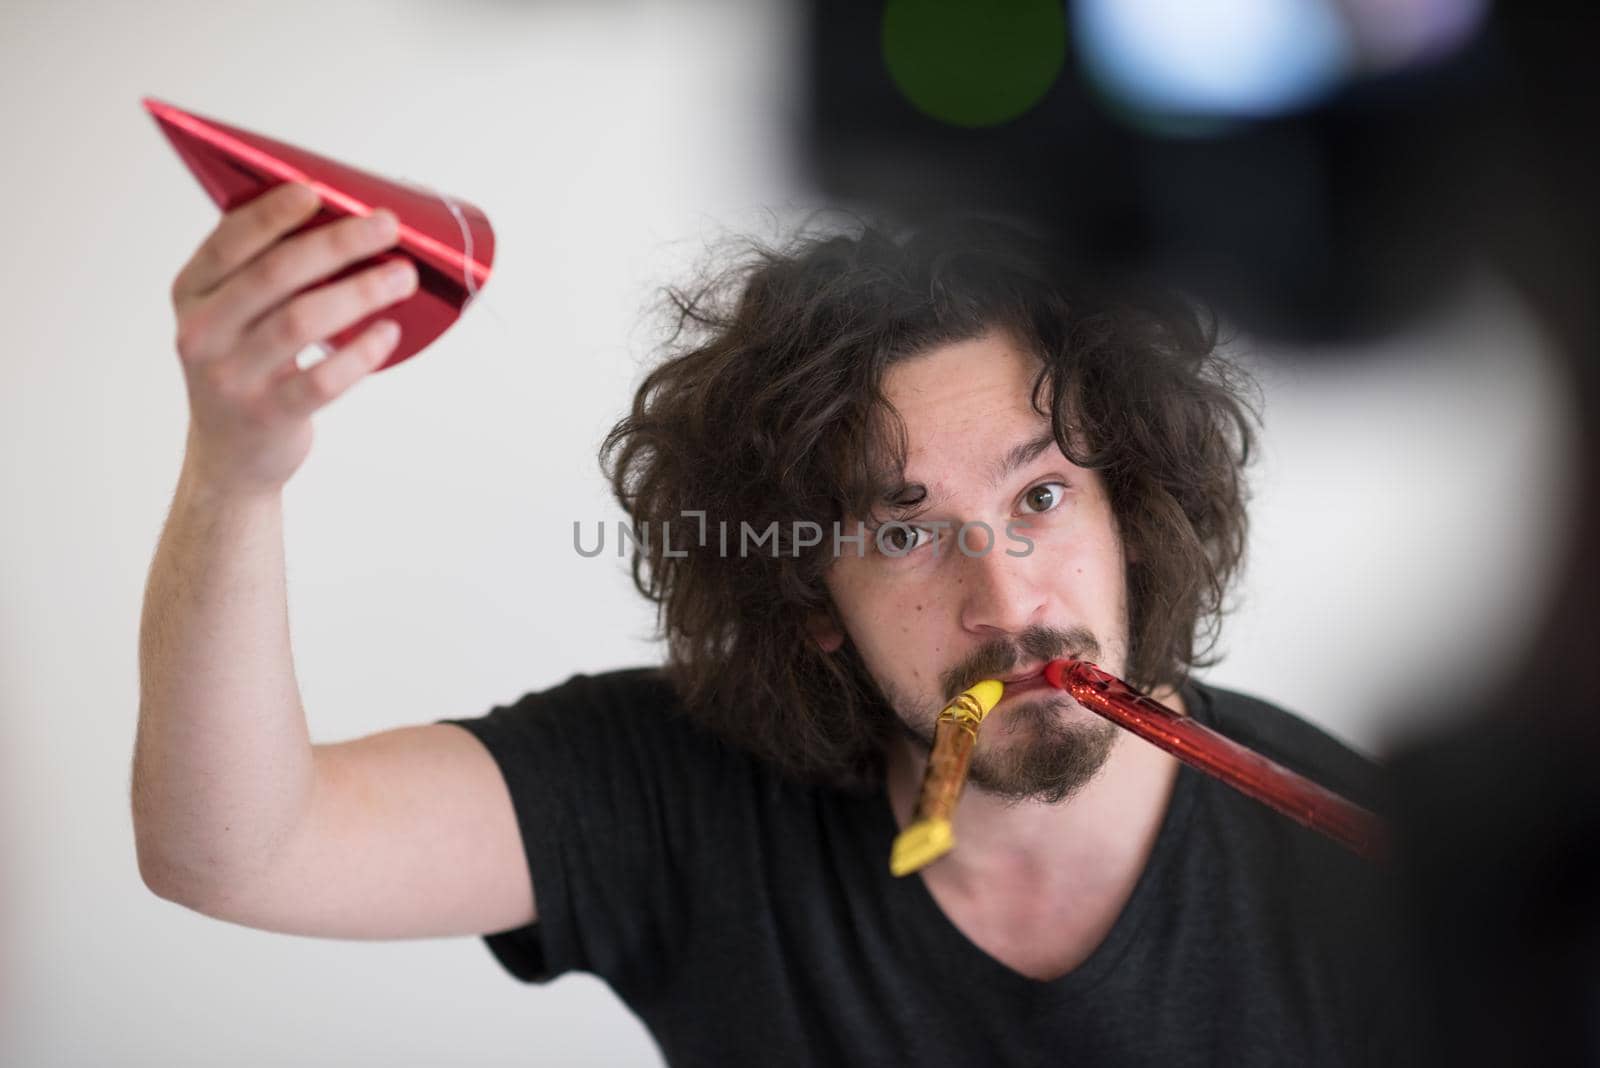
point(891, 466)
point(975, 465)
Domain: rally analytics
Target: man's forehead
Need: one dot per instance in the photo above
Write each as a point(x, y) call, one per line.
point(991, 365)
point(968, 415)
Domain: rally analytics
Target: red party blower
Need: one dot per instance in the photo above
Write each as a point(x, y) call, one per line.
point(449, 241)
point(1201, 747)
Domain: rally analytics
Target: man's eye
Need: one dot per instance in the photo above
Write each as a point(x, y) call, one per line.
point(897, 539)
point(1043, 497)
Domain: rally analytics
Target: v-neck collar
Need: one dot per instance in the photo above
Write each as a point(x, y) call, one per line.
point(942, 942)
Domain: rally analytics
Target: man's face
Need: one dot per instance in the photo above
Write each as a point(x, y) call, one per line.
point(930, 619)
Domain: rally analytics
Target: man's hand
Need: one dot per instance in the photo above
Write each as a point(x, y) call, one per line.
point(239, 332)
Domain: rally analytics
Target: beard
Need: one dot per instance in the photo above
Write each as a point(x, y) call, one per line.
point(1042, 759)
point(1026, 753)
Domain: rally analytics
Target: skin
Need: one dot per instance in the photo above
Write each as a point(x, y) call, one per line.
point(1039, 875)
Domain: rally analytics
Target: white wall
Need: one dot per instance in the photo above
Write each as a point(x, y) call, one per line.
point(430, 564)
point(1411, 504)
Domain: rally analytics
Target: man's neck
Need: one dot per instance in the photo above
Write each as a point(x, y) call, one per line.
point(1105, 830)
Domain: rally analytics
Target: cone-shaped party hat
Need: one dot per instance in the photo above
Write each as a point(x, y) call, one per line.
point(449, 241)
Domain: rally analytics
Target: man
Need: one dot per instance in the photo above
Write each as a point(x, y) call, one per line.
point(716, 841)
point(891, 466)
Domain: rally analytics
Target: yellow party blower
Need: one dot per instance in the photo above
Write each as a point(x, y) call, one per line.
point(929, 837)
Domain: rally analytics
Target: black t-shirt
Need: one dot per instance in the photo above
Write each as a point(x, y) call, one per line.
point(748, 919)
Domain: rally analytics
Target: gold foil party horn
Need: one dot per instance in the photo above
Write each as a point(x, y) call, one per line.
point(929, 837)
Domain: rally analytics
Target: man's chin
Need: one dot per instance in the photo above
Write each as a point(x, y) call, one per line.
point(1049, 752)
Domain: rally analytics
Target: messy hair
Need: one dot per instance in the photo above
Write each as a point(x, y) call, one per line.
point(768, 406)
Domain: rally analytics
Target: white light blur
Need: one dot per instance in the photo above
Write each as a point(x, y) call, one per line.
point(1222, 58)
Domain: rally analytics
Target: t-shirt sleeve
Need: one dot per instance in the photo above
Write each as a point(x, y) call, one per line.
point(606, 784)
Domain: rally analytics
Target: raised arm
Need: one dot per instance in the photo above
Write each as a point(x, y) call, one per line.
point(235, 812)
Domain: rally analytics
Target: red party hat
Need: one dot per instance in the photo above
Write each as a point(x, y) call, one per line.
point(449, 241)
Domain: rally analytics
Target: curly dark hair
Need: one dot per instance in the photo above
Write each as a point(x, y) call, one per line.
point(769, 406)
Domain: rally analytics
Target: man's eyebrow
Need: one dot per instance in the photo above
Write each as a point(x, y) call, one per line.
point(1025, 453)
point(908, 495)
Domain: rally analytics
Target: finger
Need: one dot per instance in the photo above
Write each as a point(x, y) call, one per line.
point(291, 266)
point(320, 313)
point(241, 236)
point(314, 387)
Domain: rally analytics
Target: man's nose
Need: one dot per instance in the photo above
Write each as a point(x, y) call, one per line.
point(1000, 593)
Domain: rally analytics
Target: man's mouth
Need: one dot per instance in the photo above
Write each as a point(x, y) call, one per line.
point(1024, 681)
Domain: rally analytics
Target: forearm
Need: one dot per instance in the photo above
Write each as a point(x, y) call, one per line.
point(222, 758)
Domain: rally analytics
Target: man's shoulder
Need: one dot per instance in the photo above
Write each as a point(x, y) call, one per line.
point(644, 687)
point(634, 709)
point(640, 698)
point(1294, 742)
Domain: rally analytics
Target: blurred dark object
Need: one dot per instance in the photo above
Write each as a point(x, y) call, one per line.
point(1337, 221)
point(1324, 224)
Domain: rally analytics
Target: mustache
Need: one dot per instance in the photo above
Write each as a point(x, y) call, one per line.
point(1003, 654)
